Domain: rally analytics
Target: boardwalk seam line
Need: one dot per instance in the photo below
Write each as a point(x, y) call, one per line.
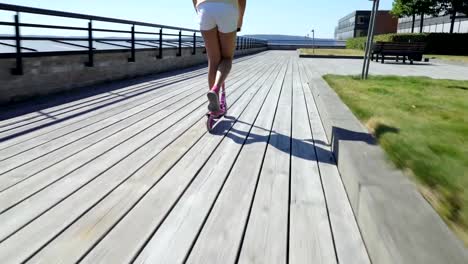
point(224, 182)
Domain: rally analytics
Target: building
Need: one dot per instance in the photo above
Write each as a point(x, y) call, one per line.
point(433, 24)
point(357, 23)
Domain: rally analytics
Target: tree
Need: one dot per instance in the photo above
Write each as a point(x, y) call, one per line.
point(452, 7)
point(416, 7)
point(403, 8)
point(426, 7)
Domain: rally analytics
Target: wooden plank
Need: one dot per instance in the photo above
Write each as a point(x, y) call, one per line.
point(155, 123)
point(350, 247)
point(64, 127)
point(77, 141)
point(56, 105)
point(267, 231)
point(65, 130)
point(231, 211)
point(155, 85)
point(77, 145)
point(310, 238)
point(62, 104)
point(58, 218)
point(43, 178)
point(195, 201)
point(60, 181)
point(26, 212)
point(75, 108)
point(71, 246)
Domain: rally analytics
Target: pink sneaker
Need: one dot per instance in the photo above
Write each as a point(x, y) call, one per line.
point(213, 100)
point(223, 103)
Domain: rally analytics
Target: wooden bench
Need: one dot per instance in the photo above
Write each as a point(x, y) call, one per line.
point(411, 51)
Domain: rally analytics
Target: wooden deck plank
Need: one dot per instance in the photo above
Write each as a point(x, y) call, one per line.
point(97, 166)
point(44, 109)
point(350, 247)
point(159, 95)
point(231, 211)
point(155, 86)
point(267, 231)
point(25, 211)
point(96, 150)
point(59, 103)
point(76, 142)
point(310, 238)
point(81, 142)
point(116, 187)
point(180, 229)
point(68, 105)
point(111, 150)
point(115, 206)
point(94, 123)
point(65, 111)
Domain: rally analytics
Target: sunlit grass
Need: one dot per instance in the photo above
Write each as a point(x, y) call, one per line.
point(426, 133)
point(448, 57)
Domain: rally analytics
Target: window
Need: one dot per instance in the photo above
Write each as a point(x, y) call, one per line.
point(361, 20)
point(361, 33)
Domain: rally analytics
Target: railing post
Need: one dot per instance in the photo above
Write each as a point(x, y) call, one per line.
point(237, 43)
point(180, 44)
point(132, 58)
point(19, 58)
point(194, 43)
point(160, 55)
point(90, 62)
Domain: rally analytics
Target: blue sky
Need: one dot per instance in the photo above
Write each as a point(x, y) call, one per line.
point(291, 17)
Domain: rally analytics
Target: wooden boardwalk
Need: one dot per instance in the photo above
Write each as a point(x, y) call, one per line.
point(131, 175)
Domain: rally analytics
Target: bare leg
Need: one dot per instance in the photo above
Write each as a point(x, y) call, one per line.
point(227, 43)
point(213, 50)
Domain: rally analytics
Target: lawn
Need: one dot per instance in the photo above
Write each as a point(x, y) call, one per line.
point(448, 57)
point(425, 135)
point(332, 52)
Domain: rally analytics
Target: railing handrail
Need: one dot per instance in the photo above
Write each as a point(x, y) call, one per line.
point(40, 11)
point(241, 42)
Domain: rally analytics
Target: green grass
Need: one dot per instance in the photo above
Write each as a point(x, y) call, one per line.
point(422, 124)
point(333, 52)
point(448, 57)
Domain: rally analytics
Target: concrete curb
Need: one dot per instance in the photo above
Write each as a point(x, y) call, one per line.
point(330, 57)
point(397, 224)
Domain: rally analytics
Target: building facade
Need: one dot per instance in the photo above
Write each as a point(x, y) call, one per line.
point(357, 23)
point(433, 24)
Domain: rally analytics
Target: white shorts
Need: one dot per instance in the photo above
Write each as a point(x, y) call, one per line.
point(222, 15)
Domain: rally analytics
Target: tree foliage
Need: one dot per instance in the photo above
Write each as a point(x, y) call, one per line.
point(453, 6)
point(416, 7)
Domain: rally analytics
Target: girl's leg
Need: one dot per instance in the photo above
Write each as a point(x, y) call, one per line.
point(227, 43)
point(213, 51)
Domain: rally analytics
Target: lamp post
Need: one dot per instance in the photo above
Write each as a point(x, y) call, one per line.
point(370, 40)
point(313, 41)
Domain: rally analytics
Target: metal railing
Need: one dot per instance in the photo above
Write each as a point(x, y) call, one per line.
point(188, 38)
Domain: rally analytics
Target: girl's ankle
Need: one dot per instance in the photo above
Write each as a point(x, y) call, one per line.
point(215, 89)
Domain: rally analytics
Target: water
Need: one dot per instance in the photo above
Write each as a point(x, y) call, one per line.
point(298, 40)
